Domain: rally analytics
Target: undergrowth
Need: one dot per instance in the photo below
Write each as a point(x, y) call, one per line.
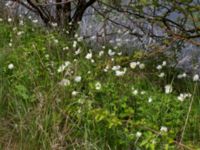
point(60, 93)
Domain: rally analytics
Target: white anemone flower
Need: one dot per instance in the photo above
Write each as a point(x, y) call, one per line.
point(80, 39)
point(119, 53)
point(98, 86)
point(106, 68)
point(141, 66)
point(138, 63)
point(10, 66)
point(9, 19)
point(56, 41)
point(120, 73)
point(135, 92)
point(74, 44)
point(21, 22)
point(196, 77)
point(115, 68)
point(180, 76)
point(35, 21)
point(101, 53)
point(184, 75)
point(10, 44)
point(111, 53)
point(138, 134)
point(88, 56)
point(77, 79)
point(168, 89)
point(78, 51)
point(64, 82)
point(133, 65)
point(63, 66)
point(150, 99)
point(20, 33)
point(54, 24)
point(65, 48)
point(161, 75)
point(92, 61)
point(74, 93)
point(164, 63)
point(163, 129)
point(93, 37)
point(159, 67)
point(183, 96)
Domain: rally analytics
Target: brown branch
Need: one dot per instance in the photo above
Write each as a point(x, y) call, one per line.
point(44, 18)
point(25, 5)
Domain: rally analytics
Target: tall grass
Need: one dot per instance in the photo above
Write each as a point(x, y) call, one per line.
point(42, 106)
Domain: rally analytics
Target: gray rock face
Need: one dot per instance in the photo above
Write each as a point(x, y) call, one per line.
point(189, 59)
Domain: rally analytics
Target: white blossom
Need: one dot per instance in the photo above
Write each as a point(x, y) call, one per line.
point(111, 53)
point(150, 100)
point(141, 66)
point(35, 21)
point(20, 33)
point(164, 63)
point(80, 39)
point(106, 69)
point(163, 129)
point(74, 93)
point(9, 19)
point(10, 44)
point(159, 67)
point(10, 66)
point(115, 68)
point(65, 48)
point(77, 79)
point(21, 22)
point(138, 134)
point(63, 66)
point(138, 63)
point(168, 89)
point(161, 75)
point(101, 53)
point(181, 75)
point(54, 24)
point(93, 37)
point(56, 41)
point(78, 51)
point(135, 92)
point(74, 44)
point(183, 96)
point(88, 56)
point(98, 86)
point(120, 73)
point(196, 77)
point(64, 82)
point(119, 54)
point(133, 65)
point(92, 61)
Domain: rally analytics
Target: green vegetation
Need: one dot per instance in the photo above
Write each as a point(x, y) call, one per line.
point(58, 93)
